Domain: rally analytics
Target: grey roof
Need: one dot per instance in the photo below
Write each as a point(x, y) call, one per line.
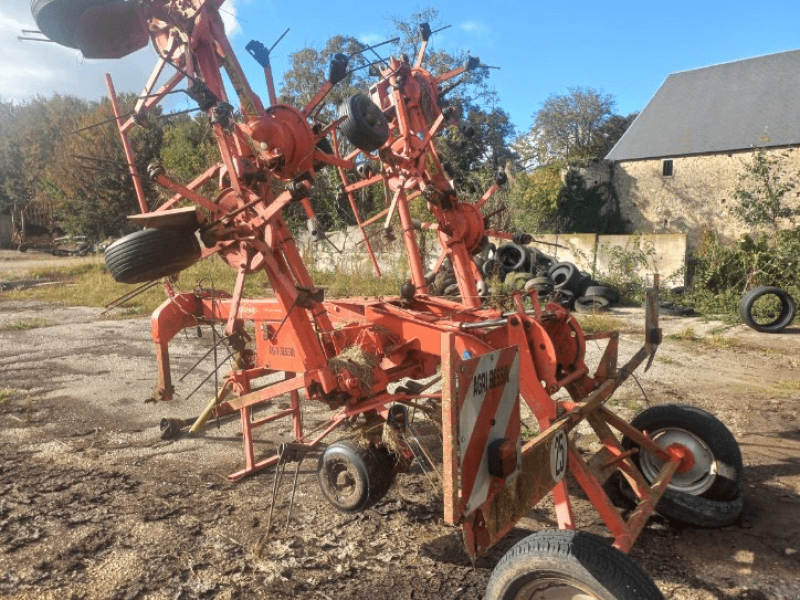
point(723, 108)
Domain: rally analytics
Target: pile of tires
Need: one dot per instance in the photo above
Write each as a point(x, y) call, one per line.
point(527, 268)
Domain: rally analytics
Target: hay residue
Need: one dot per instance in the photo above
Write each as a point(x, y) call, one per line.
point(358, 363)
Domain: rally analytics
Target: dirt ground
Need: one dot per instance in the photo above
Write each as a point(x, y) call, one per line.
point(95, 505)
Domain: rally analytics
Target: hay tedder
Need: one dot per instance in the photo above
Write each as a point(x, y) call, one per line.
point(479, 371)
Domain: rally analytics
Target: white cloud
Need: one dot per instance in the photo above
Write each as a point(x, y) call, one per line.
point(371, 38)
point(474, 27)
point(229, 15)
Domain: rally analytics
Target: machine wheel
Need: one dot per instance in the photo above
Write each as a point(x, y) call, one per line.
point(58, 19)
point(683, 508)
point(354, 477)
point(566, 276)
point(568, 565)
point(717, 470)
point(366, 126)
point(151, 253)
point(767, 308)
point(699, 511)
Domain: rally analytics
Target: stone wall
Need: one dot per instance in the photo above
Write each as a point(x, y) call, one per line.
point(698, 196)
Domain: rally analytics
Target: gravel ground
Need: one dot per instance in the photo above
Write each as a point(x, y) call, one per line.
point(94, 505)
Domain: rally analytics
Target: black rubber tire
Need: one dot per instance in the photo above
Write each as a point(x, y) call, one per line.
point(566, 276)
point(23, 248)
point(58, 19)
point(365, 126)
point(675, 422)
point(564, 297)
point(493, 269)
point(699, 511)
point(784, 318)
point(591, 304)
point(587, 281)
point(368, 474)
point(151, 254)
point(451, 290)
point(513, 257)
point(681, 508)
point(609, 293)
point(557, 560)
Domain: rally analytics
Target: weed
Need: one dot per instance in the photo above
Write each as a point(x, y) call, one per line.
point(599, 323)
point(667, 360)
point(720, 341)
point(25, 324)
point(6, 395)
point(687, 333)
point(787, 385)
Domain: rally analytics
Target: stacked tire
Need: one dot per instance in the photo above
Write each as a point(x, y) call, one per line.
point(526, 268)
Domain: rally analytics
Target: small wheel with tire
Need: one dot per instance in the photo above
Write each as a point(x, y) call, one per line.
point(366, 126)
point(353, 477)
point(151, 254)
point(716, 470)
point(708, 493)
point(568, 565)
point(767, 309)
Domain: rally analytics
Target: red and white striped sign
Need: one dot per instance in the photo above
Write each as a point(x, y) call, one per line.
point(488, 410)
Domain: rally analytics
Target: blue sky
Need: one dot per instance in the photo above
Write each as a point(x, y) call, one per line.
point(625, 49)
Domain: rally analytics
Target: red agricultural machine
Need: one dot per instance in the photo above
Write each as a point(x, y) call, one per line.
point(371, 359)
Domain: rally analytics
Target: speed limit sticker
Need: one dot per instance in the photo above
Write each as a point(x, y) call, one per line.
point(558, 456)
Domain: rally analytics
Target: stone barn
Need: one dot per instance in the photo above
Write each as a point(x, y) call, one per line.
point(678, 165)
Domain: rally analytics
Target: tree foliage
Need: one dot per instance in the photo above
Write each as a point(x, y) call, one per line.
point(761, 194)
point(579, 124)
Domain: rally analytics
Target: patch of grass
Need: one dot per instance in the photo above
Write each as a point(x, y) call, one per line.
point(788, 385)
point(667, 360)
point(91, 285)
point(25, 324)
point(685, 334)
point(720, 341)
point(6, 395)
point(599, 323)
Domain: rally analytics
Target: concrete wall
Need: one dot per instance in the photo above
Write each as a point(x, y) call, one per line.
point(589, 251)
point(699, 196)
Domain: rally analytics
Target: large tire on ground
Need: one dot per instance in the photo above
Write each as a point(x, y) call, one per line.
point(767, 309)
point(609, 293)
point(717, 470)
point(513, 257)
point(352, 477)
point(591, 304)
point(493, 269)
point(151, 254)
point(365, 126)
point(568, 565)
point(566, 276)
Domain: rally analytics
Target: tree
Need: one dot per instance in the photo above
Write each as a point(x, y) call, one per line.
point(89, 176)
point(572, 125)
point(761, 194)
point(29, 134)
